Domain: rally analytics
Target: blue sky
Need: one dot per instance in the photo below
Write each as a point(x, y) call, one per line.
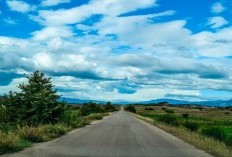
point(119, 49)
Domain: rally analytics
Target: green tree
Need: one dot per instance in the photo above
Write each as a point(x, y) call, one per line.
point(36, 103)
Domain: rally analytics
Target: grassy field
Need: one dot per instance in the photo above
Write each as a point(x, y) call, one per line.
point(209, 129)
point(15, 137)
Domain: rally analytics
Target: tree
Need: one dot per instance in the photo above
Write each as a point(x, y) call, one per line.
point(36, 103)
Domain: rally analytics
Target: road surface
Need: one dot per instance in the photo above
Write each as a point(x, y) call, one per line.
point(119, 135)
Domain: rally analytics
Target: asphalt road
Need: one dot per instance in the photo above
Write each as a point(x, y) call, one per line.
point(119, 135)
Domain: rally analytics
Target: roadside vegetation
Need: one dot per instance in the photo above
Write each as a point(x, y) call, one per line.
point(209, 129)
point(34, 114)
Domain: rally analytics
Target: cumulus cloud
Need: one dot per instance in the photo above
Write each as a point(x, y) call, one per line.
point(19, 6)
point(53, 2)
point(217, 22)
point(80, 13)
point(98, 51)
point(217, 8)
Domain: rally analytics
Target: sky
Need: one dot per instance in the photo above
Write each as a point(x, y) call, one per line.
point(114, 50)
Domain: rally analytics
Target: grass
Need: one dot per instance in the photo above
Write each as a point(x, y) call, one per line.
point(196, 126)
point(15, 138)
point(11, 142)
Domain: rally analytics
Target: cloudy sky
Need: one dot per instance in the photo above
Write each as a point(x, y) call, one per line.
point(120, 49)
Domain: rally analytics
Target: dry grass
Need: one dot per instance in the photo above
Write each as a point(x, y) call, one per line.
point(10, 142)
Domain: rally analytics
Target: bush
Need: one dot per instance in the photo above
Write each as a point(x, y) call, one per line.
point(53, 131)
point(10, 142)
point(33, 134)
point(148, 108)
point(185, 115)
point(215, 132)
point(169, 111)
point(130, 108)
point(192, 126)
point(169, 119)
point(89, 108)
point(109, 107)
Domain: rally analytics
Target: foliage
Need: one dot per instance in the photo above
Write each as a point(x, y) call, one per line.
point(217, 133)
point(130, 108)
point(192, 126)
point(89, 108)
point(11, 142)
point(148, 108)
point(185, 115)
point(108, 107)
point(36, 103)
point(168, 119)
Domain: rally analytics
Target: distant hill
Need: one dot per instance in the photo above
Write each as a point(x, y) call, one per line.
point(220, 103)
point(79, 101)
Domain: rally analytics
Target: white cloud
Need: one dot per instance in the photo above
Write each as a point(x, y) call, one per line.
point(53, 2)
point(78, 14)
point(53, 32)
point(9, 21)
point(217, 22)
point(217, 8)
point(19, 6)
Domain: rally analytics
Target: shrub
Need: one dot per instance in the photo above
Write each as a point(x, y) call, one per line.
point(169, 111)
point(185, 115)
point(148, 108)
point(215, 132)
point(130, 108)
point(169, 119)
point(109, 107)
point(33, 134)
point(89, 108)
point(226, 113)
point(53, 131)
point(192, 126)
point(11, 142)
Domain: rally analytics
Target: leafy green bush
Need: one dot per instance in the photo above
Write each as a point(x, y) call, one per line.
point(169, 119)
point(89, 108)
point(192, 126)
point(130, 108)
point(109, 107)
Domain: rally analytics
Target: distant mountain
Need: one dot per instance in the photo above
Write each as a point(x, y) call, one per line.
point(79, 101)
point(170, 101)
point(221, 103)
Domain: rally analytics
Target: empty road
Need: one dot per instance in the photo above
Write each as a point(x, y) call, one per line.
point(119, 135)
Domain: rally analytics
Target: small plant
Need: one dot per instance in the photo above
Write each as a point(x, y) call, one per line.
point(185, 115)
point(10, 142)
point(148, 108)
point(227, 113)
point(33, 134)
point(215, 132)
point(169, 119)
point(169, 111)
point(130, 108)
point(192, 126)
